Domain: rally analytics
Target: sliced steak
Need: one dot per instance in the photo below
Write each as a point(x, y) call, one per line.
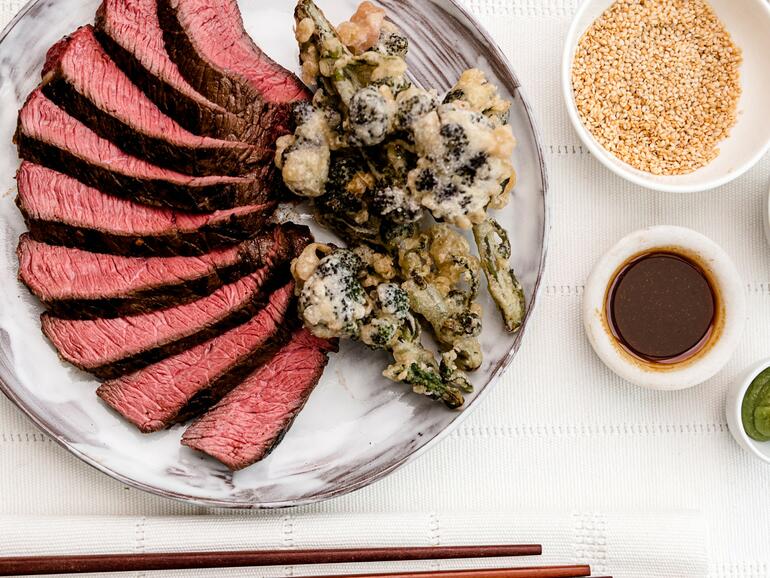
point(49, 136)
point(79, 284)
point(63, 211)
point(252, 419)
point(109, 348)
point(81, 79)
point(207, 41)
point(130, 33)
point(180, 386)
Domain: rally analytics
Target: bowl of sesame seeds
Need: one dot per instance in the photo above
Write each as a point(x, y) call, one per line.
point(672, 95)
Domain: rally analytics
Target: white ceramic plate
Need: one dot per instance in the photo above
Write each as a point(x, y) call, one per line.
point(357, 426)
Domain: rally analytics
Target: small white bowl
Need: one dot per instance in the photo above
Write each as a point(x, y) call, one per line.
point(724, 276)
point(735, 397)
point(748, 22)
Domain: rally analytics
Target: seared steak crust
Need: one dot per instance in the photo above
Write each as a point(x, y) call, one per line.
point(63, 211)
point(131, 35)
point(78, 284)
point(178, 387)
point(240, 77)
point(49, 136)
point(252, 419)
point(109, 348)
point(81, 79)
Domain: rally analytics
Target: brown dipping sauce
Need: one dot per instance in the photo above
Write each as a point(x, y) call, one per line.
point(662, 307)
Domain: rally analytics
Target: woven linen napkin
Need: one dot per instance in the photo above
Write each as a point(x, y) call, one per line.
point(670, 545)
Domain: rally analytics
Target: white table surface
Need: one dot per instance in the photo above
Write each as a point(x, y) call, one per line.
point(559, 432)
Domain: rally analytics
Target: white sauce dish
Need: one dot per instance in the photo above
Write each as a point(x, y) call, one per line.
point(610, 297)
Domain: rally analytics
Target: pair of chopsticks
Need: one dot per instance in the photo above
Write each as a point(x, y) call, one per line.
point(37, 565)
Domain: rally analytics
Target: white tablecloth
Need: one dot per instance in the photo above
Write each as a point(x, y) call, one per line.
point(560, 433)
point(670, 544)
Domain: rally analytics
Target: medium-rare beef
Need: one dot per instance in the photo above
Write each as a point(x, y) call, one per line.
point(79, 284)
point(63, 211)
point(207, 41)
point(252, 419)
point(130, 33)
point(49, 136)
point(180, 386)
point(109, 348)
point(81, 79)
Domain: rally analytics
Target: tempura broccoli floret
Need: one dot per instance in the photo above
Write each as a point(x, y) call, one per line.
point(481, 95)
point(334, 302)
point(464, 164)
point(379, 156)
point(442, 281)
point(370, 116)
point(412, 104)
point(304, 156)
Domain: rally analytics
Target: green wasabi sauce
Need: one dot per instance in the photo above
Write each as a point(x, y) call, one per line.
point(755, 411)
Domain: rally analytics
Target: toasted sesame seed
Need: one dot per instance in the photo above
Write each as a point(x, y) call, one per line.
point(657, 83)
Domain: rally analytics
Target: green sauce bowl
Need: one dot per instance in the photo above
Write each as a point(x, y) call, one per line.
point(734, 410)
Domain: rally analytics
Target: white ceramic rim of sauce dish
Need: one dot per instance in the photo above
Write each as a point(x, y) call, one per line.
point(724, 274)
point(735, 397)
point(749, 107)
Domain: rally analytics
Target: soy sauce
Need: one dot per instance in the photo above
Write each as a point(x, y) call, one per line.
point(662, 307)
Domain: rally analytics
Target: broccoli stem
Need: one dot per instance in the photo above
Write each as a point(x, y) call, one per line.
point(495, 252)
point(340, 86)
point(428, 381)
point(344, 82)
point(415, 366)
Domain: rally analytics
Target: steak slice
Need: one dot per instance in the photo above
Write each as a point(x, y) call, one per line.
point(207, 41)
point(49, 136)
point(109, 348)
point(130, 33)
point(180, 386)
point(81, 79)
point(63, 211)
point(252, 419)
point(79, 284)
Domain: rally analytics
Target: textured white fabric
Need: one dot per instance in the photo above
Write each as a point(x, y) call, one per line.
point(630, 546)
point(560, 432)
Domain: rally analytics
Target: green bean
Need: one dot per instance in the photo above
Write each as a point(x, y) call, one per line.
point(495, 251)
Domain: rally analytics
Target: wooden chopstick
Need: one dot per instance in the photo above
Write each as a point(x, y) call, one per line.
point(533, 572)
point(36, 565)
